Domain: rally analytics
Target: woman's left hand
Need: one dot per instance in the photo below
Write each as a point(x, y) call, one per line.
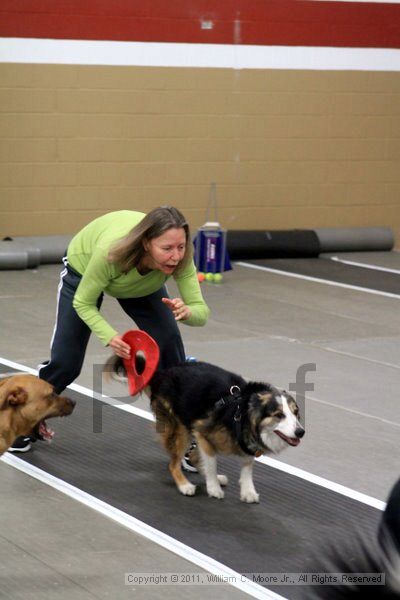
point(179, 308)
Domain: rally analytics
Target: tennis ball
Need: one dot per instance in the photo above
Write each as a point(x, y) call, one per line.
point(217, 277)
point(201, 277)
point(209, 276)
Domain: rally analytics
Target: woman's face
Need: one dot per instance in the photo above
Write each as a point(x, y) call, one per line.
point(166, 251)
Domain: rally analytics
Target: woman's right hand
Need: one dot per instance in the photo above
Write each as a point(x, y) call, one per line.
point(120, 347)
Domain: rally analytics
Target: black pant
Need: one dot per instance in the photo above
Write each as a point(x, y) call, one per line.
point(71, 334)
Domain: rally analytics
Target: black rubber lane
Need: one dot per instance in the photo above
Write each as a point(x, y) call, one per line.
point(116, 457)
point(330, 270)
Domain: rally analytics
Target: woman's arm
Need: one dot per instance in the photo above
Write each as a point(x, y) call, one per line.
point(95, 279)
point(189, 289)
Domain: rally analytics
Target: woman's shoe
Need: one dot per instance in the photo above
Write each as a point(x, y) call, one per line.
point(21, 444)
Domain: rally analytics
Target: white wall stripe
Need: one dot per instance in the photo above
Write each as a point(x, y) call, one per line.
point(201, 560)
point(317, 280)
point(152, 54)
point(326, 483)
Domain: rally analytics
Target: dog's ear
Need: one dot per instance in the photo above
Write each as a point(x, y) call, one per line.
point(4, 381)
point(17, 396)
point(3, 392)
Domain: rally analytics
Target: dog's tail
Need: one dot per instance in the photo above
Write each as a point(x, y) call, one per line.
point(114, 367)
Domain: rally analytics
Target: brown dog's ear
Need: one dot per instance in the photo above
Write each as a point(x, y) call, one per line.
point(17, 396)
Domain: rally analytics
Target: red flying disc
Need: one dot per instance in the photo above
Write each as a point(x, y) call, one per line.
point(140, 341)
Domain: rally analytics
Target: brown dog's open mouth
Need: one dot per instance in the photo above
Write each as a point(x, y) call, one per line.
point(291, 441)
point(43, 432)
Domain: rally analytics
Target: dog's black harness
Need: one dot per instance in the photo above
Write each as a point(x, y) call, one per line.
point(234, 392)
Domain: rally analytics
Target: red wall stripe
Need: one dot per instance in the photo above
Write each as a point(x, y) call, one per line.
point(257, 22)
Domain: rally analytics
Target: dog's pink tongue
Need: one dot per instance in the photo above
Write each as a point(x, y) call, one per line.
point(294, 441)
point(45, 432)
point(288, 440)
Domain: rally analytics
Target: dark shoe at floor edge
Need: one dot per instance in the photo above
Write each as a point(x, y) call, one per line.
point(21, 444)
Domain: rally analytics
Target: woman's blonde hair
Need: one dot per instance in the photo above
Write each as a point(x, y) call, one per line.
point(127, 252)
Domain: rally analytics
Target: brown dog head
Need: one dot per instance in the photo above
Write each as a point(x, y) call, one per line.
point(25, 401)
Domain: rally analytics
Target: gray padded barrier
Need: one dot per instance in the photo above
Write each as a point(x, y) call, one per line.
point(30, 252)
point(13, 256)
point(355, 239)
point(52, 247)
point(259, 244)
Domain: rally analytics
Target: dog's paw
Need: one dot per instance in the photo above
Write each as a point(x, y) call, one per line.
point(249, 496)
point(223, 480)
point(187, 489)
point(215, 491)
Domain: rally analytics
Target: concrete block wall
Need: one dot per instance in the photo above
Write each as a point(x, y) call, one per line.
point(287, 148)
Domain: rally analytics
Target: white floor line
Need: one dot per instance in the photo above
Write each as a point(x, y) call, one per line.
point(346, 353)
point(364, 265)
point(10, 374)
point(281, 466)
point(201, 560)
point(353, 411)
point(16, 296)
point(330, 485)
point(318, 280)
point(18, 366)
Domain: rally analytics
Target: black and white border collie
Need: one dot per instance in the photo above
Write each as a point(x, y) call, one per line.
point(225, 415)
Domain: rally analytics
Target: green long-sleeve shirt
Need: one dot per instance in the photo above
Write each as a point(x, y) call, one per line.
point(87, 254)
